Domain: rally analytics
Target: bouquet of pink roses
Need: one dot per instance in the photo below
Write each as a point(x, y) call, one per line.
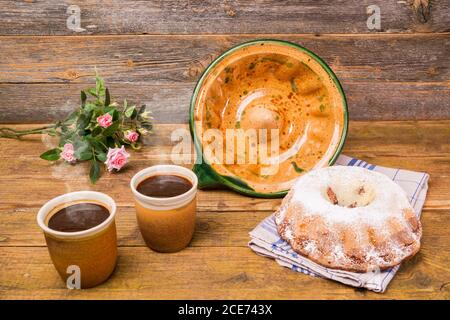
point(98, 131)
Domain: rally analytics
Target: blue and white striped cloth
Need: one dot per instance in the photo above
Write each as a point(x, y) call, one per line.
point(266, 241)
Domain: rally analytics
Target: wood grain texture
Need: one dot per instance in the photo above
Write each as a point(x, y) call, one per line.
point(200, 273)
point(393, 77)
point(217, 264)
point(367, 100)
point(224, 228)
point(168, 59)
point(213, 16)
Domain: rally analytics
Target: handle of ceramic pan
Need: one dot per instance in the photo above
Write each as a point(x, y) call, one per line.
point(207, 179)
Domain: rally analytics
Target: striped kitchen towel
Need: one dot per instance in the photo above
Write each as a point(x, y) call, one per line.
point(266, 242)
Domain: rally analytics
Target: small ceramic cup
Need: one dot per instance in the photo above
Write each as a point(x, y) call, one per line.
point(166, 224)
point(91, 252)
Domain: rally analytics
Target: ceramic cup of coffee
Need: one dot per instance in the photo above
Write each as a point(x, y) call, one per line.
point(80, 231)
point(166, 202)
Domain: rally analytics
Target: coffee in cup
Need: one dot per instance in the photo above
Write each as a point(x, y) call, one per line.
point(165, 199)
point(80, 233)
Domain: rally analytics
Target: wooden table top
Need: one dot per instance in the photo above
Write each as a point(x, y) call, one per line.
point(218, 263)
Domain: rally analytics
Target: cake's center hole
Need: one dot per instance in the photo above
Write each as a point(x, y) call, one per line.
point(350, 196)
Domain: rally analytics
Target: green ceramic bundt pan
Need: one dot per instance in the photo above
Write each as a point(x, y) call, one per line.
point(207, 176)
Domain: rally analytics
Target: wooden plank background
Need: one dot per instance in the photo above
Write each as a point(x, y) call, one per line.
point(153, 52)
point(222, 17)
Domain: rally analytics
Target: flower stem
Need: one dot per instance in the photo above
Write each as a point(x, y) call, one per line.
point(16, 134)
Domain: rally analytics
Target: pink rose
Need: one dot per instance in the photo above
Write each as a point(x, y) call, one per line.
point(131, 136)
point(105, 120)
point(67, 153)
point(116, 158)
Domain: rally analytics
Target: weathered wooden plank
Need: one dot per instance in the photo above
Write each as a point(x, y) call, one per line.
point(173, 59)
point(212, 16)
point(376, 100)
point(31, 166)
point(117, 187)
point(64, 179)
point(201, 273)
point(223, 201)
point(49, 102)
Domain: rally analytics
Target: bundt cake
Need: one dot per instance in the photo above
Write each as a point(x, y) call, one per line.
point(349, 218)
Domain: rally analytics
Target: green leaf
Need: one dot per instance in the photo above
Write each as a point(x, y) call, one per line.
point(67, 137)
point(107, 97)
point(93, 92)
point(147, 125)
point(111, 129)
point(94, 173)
point(96, 131)
point(85, 155)
point(142, 109)
point(82, 121)
point(101, 156)
point(136, 145)
point(83, 97)
point(129, 112)
point(115, 114)
point(108, 109)
point(110, 142)
point(99, 86)
point(96, 143)
point(82, 132)
point(52, 132)
point(72, 117)
point(81, 146)
point(89, 107)
point(51, 155)
point(296, 167)
point(62, 141)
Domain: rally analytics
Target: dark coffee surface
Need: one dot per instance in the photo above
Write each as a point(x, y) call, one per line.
point(164, 186)
point(78, 217)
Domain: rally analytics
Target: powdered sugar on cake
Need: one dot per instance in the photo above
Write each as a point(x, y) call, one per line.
point(310, 191)
point(349, 218)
